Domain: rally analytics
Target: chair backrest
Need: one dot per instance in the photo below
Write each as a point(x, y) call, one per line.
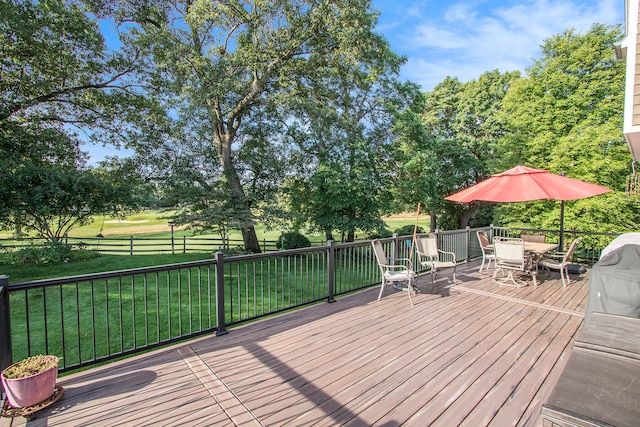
point(427, 245)
point(538, 238)
point(569, 254)
point(381, 256)
point(509, 251)
point(483, 239)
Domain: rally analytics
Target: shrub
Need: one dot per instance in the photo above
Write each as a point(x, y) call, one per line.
point(50, 252)
point(293, 240)
point(380, 233)
point(408, 230)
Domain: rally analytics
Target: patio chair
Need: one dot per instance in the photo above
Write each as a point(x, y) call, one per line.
point(393, 272)
point(433, 258)
point(487, 249)
point(560, 261)
point(538, 238)
point(510, 259)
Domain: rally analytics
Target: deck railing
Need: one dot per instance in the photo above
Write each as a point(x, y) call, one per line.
point(97, 317)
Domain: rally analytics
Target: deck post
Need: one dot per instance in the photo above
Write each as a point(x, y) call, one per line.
point(332, 273)
point(220, 318)
point(5, 325)
point(468, 234)
point(394, 247)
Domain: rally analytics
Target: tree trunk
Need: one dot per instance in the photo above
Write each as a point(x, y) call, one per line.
point(222, 142)
point(466, 215)
point(432, 221)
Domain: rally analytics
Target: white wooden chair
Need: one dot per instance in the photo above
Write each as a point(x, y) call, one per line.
point(510, 259)
point(392, 272)
point(487, 249)
point(433, 258)
point(560, 261)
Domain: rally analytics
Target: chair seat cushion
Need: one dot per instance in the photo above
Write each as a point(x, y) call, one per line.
point(399, 275)
point(444, 264)
point(551, 263)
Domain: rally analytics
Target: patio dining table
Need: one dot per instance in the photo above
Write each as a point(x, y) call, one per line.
point(534, 251)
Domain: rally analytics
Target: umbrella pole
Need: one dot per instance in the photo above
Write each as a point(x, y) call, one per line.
point(413, 239)
point(561, 246)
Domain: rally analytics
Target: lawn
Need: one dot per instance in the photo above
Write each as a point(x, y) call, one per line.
point(143, 225)
point(88, 320)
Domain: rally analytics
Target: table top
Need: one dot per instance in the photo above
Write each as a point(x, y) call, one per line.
point(539, 248)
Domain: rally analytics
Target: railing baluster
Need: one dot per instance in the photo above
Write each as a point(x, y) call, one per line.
point(93, 321)
point(79, 332)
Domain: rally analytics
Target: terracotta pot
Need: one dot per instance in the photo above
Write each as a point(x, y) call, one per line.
point(28, 391)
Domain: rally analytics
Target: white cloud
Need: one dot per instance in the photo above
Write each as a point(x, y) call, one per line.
point(465, 40)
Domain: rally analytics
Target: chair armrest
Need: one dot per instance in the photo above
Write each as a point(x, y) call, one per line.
point(407, 261)
point(451, 254)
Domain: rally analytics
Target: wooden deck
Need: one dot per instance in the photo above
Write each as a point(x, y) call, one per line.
point(472, 354)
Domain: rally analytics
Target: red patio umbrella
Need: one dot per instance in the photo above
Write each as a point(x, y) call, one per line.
point(523, 184)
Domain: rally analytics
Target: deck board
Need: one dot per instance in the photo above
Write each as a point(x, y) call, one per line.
point(474, 353)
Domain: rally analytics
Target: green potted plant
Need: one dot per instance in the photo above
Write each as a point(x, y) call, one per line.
point(30, 381)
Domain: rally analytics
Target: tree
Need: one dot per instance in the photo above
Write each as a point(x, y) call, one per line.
point(449, 143)
point(216, 63)
point(57, 75)
point(52, 200)
point(566, 117)
point(59, 82)
point(340, 121)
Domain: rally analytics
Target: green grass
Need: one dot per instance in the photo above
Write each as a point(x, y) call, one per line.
point(90, 320)
point(152, 224)
point(103, 263)
point(93, 319)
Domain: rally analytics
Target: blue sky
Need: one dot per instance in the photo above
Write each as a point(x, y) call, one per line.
point(464, 39)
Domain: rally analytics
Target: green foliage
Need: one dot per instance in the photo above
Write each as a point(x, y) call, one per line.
point(57, 76)
point(380, 233)
point(408, 229)
point(446, 142)
point(48, 253)
point(52, 200)
point(236, 80)
point(567, 117)
point(30, 366)
point(293, 240)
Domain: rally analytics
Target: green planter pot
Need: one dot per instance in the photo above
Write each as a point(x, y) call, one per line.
point(31, 390)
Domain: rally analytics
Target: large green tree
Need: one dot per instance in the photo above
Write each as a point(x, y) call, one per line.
point(52, 200)
point(340, 121)
point(566, 116)
point(217, 63)
point(60, 86)
point(57, 75)
point(449, 145)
